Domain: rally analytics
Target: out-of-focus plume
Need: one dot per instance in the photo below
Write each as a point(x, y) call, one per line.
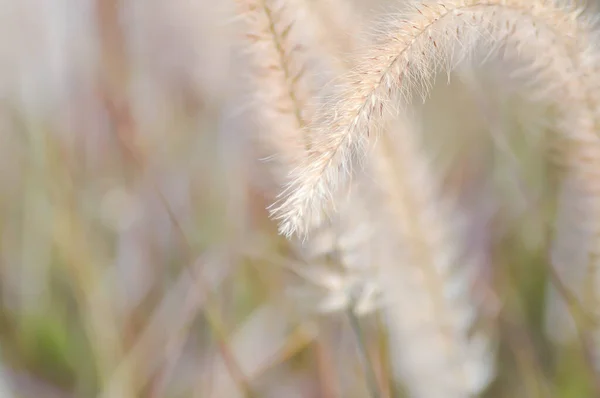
point(279, 48)
point(428, 282)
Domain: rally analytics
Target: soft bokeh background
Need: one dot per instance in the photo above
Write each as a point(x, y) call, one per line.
point(137, 258)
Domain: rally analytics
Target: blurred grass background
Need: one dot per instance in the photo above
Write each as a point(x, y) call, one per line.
point(137, 258)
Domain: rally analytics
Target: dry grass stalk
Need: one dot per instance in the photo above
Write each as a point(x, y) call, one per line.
point(407, 55)
point(350, 238)
point(552, 41)
point(414, 219)
point(553, 44)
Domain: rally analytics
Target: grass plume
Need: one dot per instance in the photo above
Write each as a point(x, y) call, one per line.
point(408, 54)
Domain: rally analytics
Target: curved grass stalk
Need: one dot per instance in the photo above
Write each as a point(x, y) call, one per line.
point(438, 353)
point(552, 42)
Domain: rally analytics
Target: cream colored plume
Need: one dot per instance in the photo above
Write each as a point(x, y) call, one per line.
point(549, 41)
point(426, 279)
